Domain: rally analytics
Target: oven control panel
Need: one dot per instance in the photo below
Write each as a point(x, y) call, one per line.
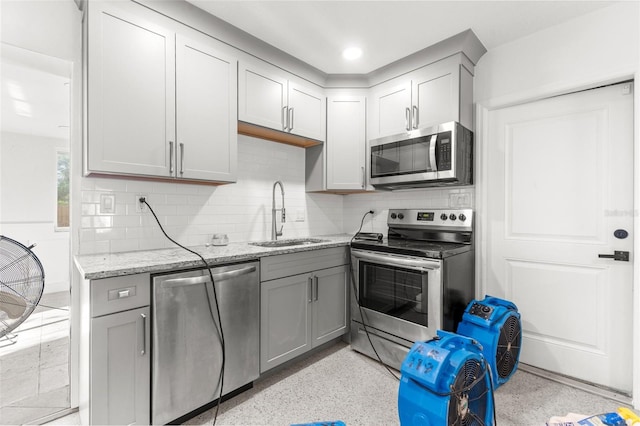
point(450, 218)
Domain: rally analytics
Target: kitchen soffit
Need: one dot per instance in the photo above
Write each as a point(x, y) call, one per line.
point(316, 32)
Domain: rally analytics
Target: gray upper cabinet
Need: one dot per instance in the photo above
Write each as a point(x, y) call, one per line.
point(339, 165)
point(434, 94)
point(206, 135)
point(271, 98)
point(161, 99)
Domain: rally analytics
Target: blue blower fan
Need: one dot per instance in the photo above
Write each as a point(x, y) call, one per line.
point(445, 382)
point(495, 324)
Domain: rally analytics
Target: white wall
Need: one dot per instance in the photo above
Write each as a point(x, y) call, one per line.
point(191, 213)
point(601, 46)
point(28, 202)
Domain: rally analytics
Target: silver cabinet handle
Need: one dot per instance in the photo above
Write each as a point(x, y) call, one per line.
point(290, 119)
point(285, 118)
point(414, 118)
point(181, 158)
point(171, 157)
point(364, 178)
point(177, 282)
point(315, 286)
point(407, 118)
point(310, 289)
point(142, 343)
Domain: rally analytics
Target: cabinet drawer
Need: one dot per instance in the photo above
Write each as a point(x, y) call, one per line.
point(117, 294)
point(285, 265)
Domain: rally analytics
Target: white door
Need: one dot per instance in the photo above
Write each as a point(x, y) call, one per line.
point(559, 185)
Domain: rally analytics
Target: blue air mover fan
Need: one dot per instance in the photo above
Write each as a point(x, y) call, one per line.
point(445, 382)
point(495, 324)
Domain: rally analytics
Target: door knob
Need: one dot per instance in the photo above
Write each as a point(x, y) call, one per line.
point(617, 255)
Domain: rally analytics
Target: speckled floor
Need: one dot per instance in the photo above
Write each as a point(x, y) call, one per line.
point(340, 384)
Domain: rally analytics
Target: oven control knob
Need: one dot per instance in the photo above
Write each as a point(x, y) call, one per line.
point(400, 216)
point(393, 216)
point(443, 216)
point(462, 217)
point(452, 216)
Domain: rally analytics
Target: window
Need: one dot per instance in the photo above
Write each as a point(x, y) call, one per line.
point(62, 173)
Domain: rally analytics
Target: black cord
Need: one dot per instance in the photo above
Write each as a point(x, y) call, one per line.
point(213, 317)
point(362, 313)
point(493, 398)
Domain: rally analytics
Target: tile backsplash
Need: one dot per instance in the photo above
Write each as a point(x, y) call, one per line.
point(191, 213)
point(355, 206)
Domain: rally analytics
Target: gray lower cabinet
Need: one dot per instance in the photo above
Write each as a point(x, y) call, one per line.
point(120, 368)
point(115, 361)
point(302, 311)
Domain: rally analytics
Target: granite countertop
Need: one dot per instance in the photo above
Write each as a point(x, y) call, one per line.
point(108, 265)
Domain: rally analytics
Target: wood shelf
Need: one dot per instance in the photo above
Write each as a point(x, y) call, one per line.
point(260, 132)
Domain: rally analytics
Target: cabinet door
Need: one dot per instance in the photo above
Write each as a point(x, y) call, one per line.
point(330, 315)
point(346, 142)
point(131, 91)
point(206, 127)
point(285, 329)
point(436, 95)
point(306, 109)
point(262, 97)
point(391, 109)
point(120, 368)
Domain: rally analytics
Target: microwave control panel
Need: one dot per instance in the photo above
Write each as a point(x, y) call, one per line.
point(444, 151)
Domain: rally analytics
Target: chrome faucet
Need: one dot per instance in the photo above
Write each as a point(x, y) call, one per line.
point(274, 232)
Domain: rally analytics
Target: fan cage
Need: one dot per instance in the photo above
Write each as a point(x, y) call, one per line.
point(508, 349)
point(21, 283)
point(469, 393)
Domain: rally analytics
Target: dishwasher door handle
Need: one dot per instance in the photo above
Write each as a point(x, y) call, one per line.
point(179, 282)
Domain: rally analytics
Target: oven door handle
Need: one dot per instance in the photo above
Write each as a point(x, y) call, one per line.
point(386, 259)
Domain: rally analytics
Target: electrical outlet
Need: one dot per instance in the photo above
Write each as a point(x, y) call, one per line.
point(141, 207)
point(300, 215)
point(458, 200)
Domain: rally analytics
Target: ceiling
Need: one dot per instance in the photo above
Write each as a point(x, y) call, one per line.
point(316, 32)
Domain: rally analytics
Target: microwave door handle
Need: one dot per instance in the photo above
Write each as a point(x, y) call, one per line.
point(433, 167)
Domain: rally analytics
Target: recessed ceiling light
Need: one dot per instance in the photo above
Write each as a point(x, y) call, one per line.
point(351, 53)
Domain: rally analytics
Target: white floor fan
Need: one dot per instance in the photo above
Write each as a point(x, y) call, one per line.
point(21, 284)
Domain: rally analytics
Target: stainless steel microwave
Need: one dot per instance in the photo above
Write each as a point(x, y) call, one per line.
point(432, 156)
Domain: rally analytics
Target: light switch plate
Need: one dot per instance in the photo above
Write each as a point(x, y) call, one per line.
point(107, 203)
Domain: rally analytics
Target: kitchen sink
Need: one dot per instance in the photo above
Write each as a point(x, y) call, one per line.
point(287, 243)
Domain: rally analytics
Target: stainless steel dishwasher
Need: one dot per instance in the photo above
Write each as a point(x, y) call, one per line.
point(186, 348)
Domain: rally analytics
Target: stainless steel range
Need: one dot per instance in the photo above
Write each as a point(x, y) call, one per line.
point(417, 280)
